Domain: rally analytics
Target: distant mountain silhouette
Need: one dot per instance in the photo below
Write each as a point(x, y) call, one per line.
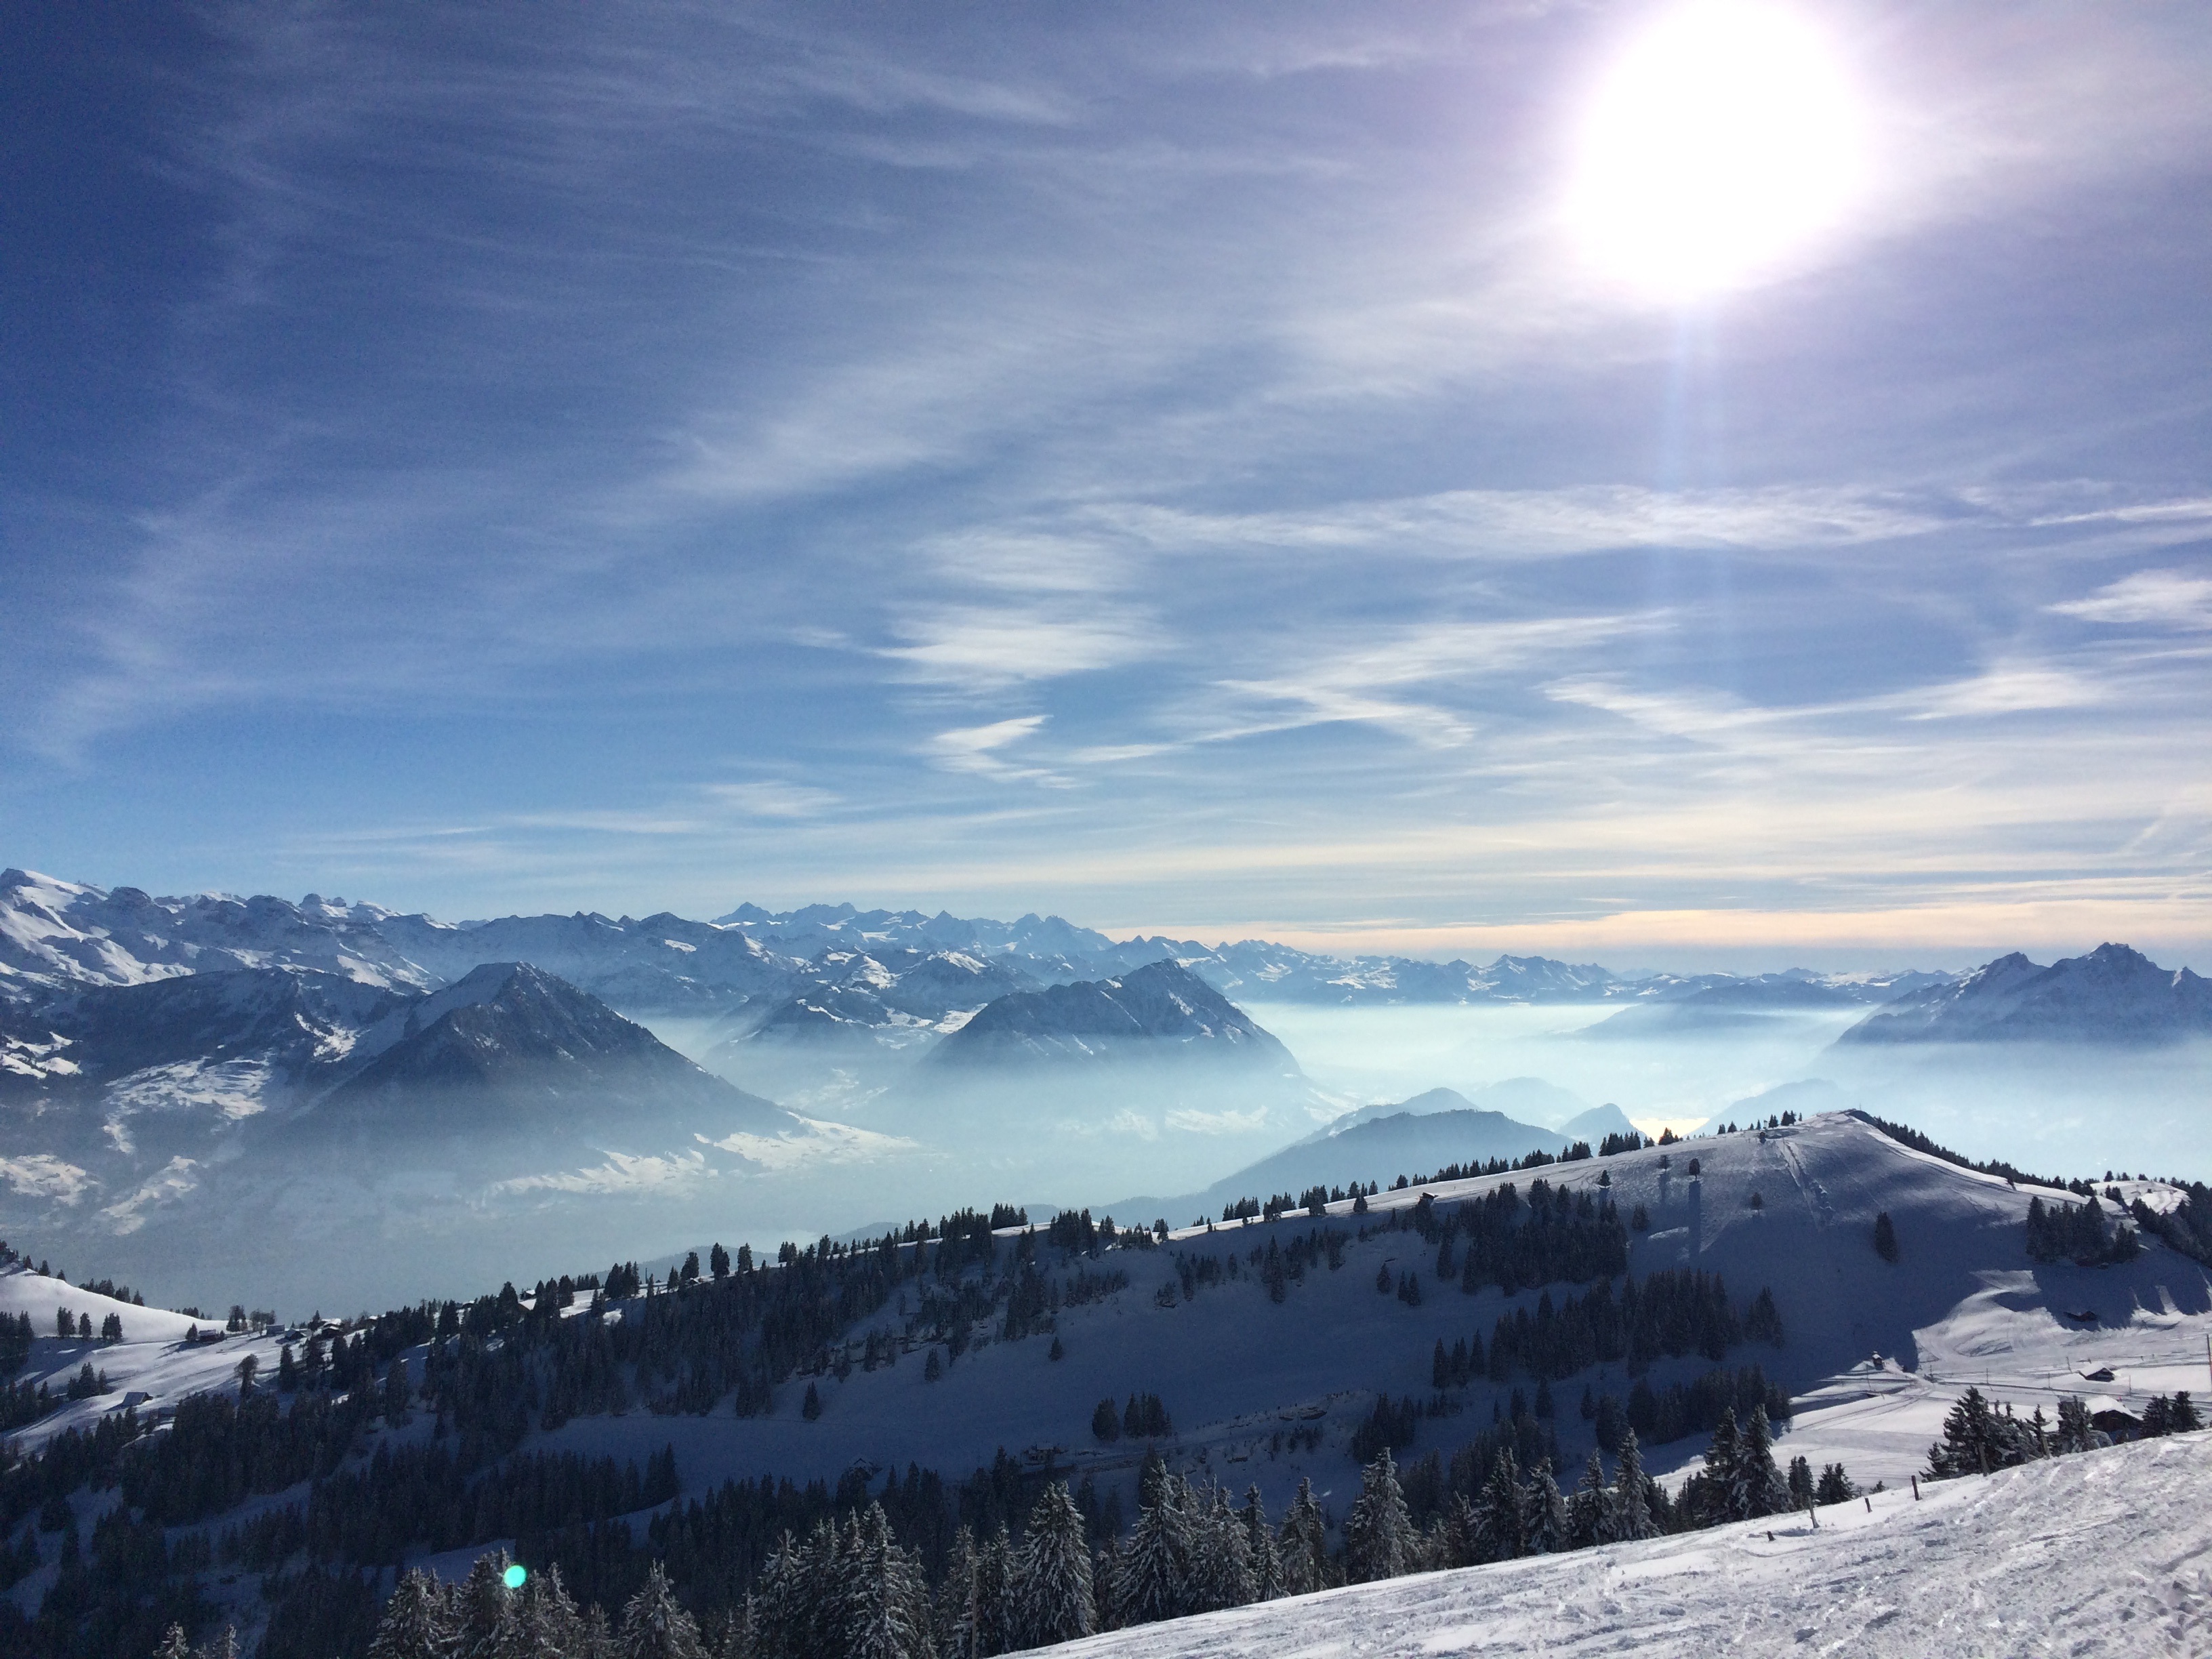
point(2114, 994)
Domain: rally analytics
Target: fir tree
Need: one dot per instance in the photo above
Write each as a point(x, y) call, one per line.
point(1586, 1507)
point(1885, 1237)
point(1629, 1515)
point(417, 1621)
point(1800, 1484)
point(1834, 1486)
point(654, 1625)
point(1498, 1512)
point(1153, 1579)
point(1260, 1548)
point(174, 1646)
point(956, 1598)
point(2075, 1432)
point(1052, 1574)
point(994, 1595)
point(1221, 1565)
point(1544, 1527)
point(1305, 1543)
point(1378, 1533)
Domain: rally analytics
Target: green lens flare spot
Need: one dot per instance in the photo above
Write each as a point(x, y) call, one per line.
point(515, 1577)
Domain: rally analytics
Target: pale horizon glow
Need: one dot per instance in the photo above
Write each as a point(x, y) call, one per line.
point(1724, 139)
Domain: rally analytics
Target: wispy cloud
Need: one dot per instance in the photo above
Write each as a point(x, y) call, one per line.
point(2163, 598)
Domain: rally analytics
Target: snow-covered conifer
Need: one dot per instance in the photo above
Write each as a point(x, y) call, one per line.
point(1153, 1580)
point(1544, 1529)
point(1498, 1512)
point(1378, 1533)
point(417, 1621)
point(994, 1595)
point(1305, 1543)
point(654, 1625)
point(1586, 1507)
point(1629, 1515)
point(1052, 1572)
point(1266, 1562)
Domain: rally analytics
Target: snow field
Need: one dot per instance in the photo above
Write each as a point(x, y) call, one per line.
point(2104, 1553)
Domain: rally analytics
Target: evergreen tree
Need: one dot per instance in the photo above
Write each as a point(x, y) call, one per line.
point(1586, 1507)
point(956, 1598)
point(1378, 1533)
point(1463, 1533)
point(1834, 1486)
point(1800, 1484)
point(1629, 1515)
point(1260, 1549)
point(1153, 1580)
point(1757, 1486)
point(1545, 1525)
point(417, 1621)
point(994, 1595)
point(886, 1613)
point(1885, 1237)
point(478, 1604)
point(2075, 1432)
point(174, 1646)
point(654, 1625)
point(1052, 1574)
point(1498, 1512)
point(1305, 1543)
point(1221, 1565)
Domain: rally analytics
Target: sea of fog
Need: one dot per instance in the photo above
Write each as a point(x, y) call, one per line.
point(1368, 1054)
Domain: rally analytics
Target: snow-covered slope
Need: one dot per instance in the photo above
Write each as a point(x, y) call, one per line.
point(2101, 1554)
point(2112, 995)
point(1244, 1375)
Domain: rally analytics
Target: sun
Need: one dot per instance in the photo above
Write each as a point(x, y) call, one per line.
point(1725, 140)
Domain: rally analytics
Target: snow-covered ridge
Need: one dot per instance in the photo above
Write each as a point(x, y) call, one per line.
point(859, 968)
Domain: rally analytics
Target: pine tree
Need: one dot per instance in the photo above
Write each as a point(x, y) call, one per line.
point(886, 1614)
point(174, 1646)
point(1586, 1507)
point(1885, 1236)
point(417, 1621)
point(1305, 1543)
point(1052, 1573)
point(956, 1598)
point(1834, 1486)
point(1463, 1533)
point(2075, 1432)
point(1544, 1526)
point(1260, 1548)
point(1154, 1578)
point(1629, 1515)
point(654, 1625)
point(995, 1589)
point(1800, 1484)
point(1221, 1564)
point(478, 1604)
point(1378, 1533)
point(1758, 1487)
point(1497, 1512)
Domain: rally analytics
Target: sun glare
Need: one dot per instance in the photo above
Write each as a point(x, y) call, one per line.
point(1725, 139)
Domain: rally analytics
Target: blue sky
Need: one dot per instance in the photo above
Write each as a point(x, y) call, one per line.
point(1167, 465)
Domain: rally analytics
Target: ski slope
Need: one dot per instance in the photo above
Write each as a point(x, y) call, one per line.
point(2105, 1552)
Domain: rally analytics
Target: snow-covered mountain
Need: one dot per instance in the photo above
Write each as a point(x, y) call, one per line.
point(819, 964)
point(2114, 994)
point(148, 1116)
point(1160, 1008)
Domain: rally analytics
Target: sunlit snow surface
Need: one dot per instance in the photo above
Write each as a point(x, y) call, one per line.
point(2102, 1553)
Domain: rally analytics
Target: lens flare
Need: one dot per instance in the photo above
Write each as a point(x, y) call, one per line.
point(515, 1577)
point(1726, 139)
